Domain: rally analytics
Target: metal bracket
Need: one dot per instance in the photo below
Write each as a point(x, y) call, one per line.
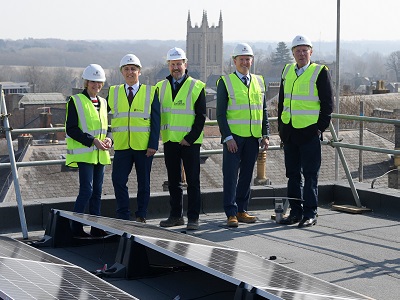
point(4, 129)
point(331, 141)
point(2, 116)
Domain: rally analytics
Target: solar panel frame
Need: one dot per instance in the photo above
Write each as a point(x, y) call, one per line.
point(268, 278)
point(250, 271)
point(25, 279)
point(131, 228)
point(13, 248)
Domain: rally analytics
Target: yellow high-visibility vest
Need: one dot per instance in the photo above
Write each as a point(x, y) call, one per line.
point(93, 122)
point(177, 116)
point(131, 125)
point(301, 103)
point(245, 105)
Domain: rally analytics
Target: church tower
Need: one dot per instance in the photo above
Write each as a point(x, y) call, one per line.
point(204, 48)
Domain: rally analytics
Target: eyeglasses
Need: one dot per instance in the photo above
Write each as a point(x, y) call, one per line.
point(301, 51)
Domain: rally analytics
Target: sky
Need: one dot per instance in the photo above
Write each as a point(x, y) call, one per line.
point(243, 20)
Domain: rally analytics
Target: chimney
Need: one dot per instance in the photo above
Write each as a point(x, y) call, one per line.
point(24, 140)
point(45, 118)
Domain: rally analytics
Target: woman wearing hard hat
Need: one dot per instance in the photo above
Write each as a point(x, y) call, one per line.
point(87, 145)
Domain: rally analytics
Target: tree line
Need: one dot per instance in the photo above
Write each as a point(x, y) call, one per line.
point(53, 65)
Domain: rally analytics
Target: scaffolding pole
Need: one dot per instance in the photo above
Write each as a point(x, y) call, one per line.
point(7, 130)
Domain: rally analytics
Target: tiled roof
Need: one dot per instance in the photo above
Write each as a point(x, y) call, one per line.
point(49, 182)
point(43, 98)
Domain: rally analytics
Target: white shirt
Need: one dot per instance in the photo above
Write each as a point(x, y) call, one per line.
point(240, 75)
point(135, 88)
point(301, 70)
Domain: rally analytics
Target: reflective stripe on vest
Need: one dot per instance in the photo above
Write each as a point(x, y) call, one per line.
point(301, 103)
point(245, 105)
point(177, 116)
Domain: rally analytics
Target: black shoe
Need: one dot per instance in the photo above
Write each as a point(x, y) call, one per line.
point(290, 220)
point(140, 219)
point(172, 221)
point(192, 224)
point(307, 222)
point(97, 232)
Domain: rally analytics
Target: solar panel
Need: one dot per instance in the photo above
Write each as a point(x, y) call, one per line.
point(29, 273)
point(268, 279)
point(24, 279)
point(131, 228)
point(15, 249)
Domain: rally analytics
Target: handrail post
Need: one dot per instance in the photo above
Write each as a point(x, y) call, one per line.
point(6, 125)
point(345, 167)
point(361, 139)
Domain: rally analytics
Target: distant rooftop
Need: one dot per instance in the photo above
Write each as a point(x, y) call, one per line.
point(42, 98)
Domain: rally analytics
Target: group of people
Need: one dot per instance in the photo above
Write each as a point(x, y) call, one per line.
point(176, 108)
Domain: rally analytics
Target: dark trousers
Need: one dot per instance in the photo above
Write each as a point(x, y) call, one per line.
point(303, 159)
point(175, 155)
point(237, 169)
point(90, 189)
point(122, 167)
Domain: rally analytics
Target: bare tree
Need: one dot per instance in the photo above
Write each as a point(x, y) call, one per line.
point(58, 80)
point(393, 63)
point(375, 66)
point(34, 75)
point(8, 73)
point(114, 77)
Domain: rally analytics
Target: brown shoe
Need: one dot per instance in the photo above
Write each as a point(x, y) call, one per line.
point(245, 217)
point(232, 221)
point(140, 220)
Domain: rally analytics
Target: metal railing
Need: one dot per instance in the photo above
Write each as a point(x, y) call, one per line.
point(334, 142)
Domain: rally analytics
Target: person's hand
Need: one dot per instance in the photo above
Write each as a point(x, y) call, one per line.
point(150, 152)
point(184, 143)
point(232, 146)
point(107, 142)
point(264, 143)
point(99, 144)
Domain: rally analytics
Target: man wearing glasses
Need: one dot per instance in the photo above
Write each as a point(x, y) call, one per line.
point(304, 112)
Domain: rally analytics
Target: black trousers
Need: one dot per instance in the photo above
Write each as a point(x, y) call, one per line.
point(175, 155)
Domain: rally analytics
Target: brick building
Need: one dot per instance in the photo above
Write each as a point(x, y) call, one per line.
point(37, 110)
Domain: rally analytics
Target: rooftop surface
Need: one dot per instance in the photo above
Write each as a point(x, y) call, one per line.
point(358, 252)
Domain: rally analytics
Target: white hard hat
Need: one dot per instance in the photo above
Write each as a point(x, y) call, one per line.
point(94, 72)
point(176, 54)
point(301, 40)
point(130, 59)
point(242, 49)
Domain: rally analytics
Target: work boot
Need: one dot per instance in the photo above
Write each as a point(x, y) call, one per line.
point(244, 217)
point(232, 221)
point(172, 221)
point(193, 224)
